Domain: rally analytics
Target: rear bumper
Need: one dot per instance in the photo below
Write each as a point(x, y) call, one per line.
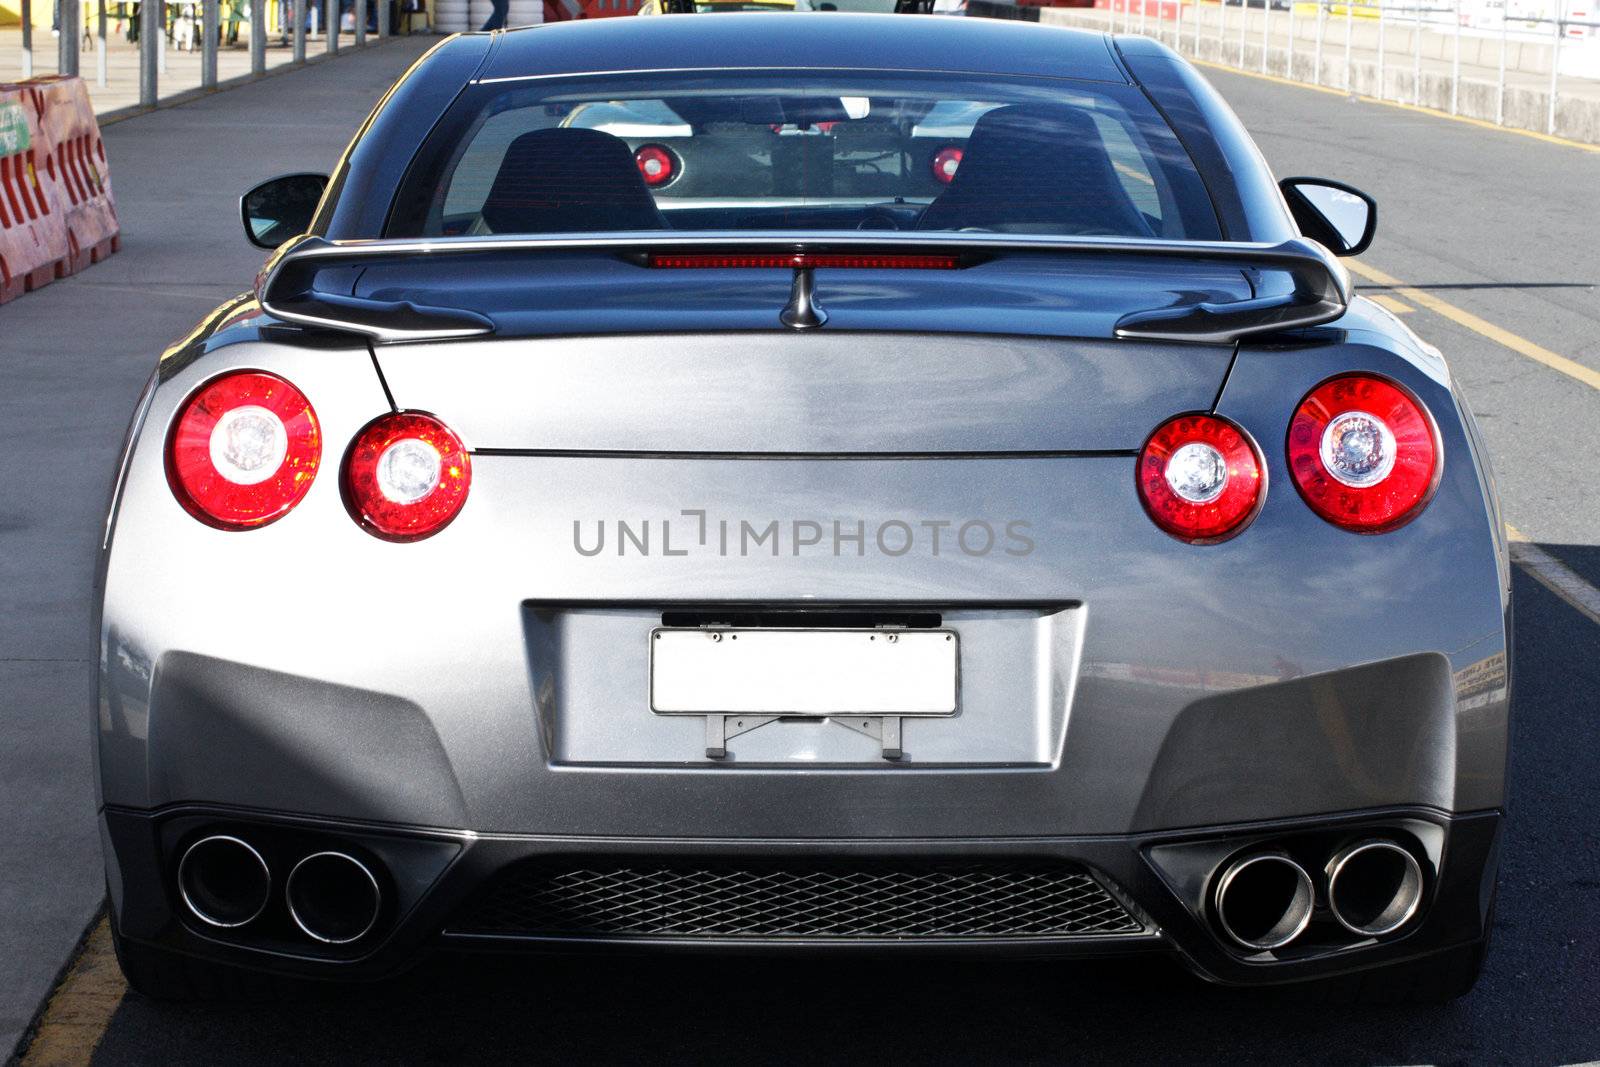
point(434, 881)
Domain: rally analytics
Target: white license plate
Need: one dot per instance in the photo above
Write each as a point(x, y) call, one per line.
point(803, 672)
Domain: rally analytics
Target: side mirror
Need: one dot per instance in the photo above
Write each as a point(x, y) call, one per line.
point(281, 208)
point(1337, 215)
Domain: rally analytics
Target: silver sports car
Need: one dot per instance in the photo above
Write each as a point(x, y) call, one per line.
point(818, 485)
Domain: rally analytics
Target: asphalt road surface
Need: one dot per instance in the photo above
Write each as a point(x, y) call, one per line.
point(1499, 226)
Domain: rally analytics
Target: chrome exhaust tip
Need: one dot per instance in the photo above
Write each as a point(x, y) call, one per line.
point(333, 898)
point(1264, 901)
point(1374, 887)
point(223, 881)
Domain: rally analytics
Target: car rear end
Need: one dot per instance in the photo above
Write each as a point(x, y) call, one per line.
point(955, 621)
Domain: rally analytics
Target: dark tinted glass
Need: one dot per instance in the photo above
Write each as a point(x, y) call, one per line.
point(806, 151)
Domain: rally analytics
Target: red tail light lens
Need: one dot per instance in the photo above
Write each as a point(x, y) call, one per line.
point(406, 476)
point(244, 451)
point(655, 164)
point(1363, 453)
point(1201, 478)
point(945, 162)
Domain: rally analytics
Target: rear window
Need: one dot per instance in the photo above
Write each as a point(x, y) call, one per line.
point(819, 150)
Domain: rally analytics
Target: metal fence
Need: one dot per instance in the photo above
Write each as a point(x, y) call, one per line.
point(152, 22)
point(1402, 51)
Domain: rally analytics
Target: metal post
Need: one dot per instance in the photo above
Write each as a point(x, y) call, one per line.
point(161, 35)
point(1289, 71)
point(384, 29)
point(1555, 68)
point(361, 22)
point(1222, 28)
point(210, 16)
point(258, 38)
point(1381, 20)
point(1322, 20)
point(1349, 31)
point(297, 10)
point(100, 70)
point(149, 44)
point(1244, 27)
point(330, 28)
point(1455, 65)
point(1197, 22)
point(1266, 33)
point(27, 38)
point(1416, 58)
point(1500, 83)
point(67, 44)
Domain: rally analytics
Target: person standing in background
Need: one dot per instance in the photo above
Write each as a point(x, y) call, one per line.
point(497, 17)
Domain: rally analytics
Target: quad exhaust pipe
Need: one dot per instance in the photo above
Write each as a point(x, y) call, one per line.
point(333, 898)
point(1264, 900)
point(1374, 887)
point(223, 881)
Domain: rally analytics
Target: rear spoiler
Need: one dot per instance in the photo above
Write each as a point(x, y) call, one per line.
point(1317, 289)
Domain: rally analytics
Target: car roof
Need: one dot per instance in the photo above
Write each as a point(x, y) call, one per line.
point(813, 40)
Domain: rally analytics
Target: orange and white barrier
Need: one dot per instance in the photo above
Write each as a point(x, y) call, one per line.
point(76, 164)
point(33, 233)
point(57, 213)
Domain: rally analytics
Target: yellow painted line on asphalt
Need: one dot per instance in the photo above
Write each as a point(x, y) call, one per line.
point(1390, 304)
point(1520, 345)
point(1554, 575)
point(81, 1008)
point(1548, 138)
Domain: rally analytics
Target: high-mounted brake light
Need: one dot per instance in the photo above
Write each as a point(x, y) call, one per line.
point(656, 164)
point(944, 163)
point(801, 260)
point(1201, 478)
point(406, 476)
point(244, 450)
point(1364, 454)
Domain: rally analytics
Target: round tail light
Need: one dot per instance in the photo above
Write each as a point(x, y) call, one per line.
point(656, 164)
point(406, 476)
point(1363, 453)
point(1201, 478)
point(945, 163)
point(244, 450)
